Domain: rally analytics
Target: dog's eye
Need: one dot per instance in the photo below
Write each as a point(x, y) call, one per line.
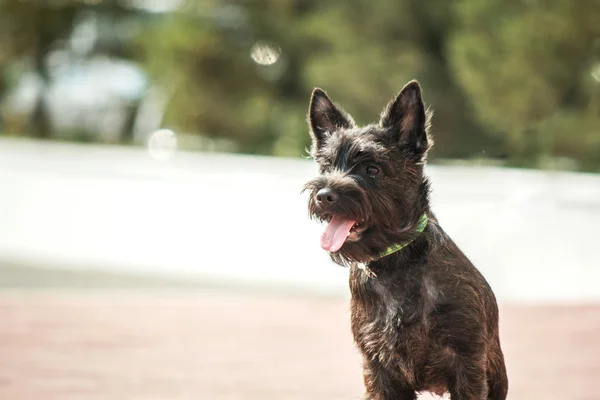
point(325, 168)
point(372, 170)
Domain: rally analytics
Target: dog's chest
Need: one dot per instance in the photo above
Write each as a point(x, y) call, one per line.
point(388, 324)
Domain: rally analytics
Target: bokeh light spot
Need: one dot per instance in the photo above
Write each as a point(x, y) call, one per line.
point(162, 144)
point(265, 53)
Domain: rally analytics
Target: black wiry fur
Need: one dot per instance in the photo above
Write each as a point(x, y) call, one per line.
point(428, 320)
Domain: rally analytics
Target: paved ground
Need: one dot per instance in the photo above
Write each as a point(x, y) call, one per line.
point(110, 344)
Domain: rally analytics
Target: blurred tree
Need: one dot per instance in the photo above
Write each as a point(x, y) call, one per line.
point(202, 54)
point(31, 29)
point(361, 52)
point(521, 78)
point(529, 68)
point(369, 50)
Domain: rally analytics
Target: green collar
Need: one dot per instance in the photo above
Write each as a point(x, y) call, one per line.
point(397, 247)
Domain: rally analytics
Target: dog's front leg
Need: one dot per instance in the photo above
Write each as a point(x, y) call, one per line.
point(469, 381)
point(381, 385)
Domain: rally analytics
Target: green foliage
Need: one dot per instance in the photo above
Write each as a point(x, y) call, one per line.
point(518, 80)
point(527, 68)
point(361, 53)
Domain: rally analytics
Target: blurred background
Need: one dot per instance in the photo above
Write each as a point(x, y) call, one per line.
point(154, 243)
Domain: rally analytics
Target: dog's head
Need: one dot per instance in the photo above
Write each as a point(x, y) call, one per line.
point(371, 190)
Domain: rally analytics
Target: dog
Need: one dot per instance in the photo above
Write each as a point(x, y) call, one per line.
point(423, 317)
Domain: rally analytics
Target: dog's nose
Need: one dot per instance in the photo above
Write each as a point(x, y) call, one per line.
point(326, 196)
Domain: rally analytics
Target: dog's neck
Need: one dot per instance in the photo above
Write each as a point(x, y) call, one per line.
point(393, 249)
point(399, 246)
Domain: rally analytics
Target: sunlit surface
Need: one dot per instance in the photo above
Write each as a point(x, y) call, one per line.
point(235, 218)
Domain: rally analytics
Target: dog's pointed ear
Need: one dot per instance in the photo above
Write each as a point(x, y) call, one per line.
point(324, 117)
point(407, 120)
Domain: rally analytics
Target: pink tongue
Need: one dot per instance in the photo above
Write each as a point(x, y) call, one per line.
point(336, 233)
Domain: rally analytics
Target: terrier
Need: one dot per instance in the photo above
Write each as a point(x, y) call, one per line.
point(423, 317)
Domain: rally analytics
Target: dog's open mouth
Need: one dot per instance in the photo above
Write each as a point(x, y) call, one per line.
point(339, 230)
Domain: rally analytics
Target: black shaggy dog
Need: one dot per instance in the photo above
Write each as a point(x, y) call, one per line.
point(422, 315)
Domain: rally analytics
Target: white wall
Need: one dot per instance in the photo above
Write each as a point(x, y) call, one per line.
point(242, 219)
